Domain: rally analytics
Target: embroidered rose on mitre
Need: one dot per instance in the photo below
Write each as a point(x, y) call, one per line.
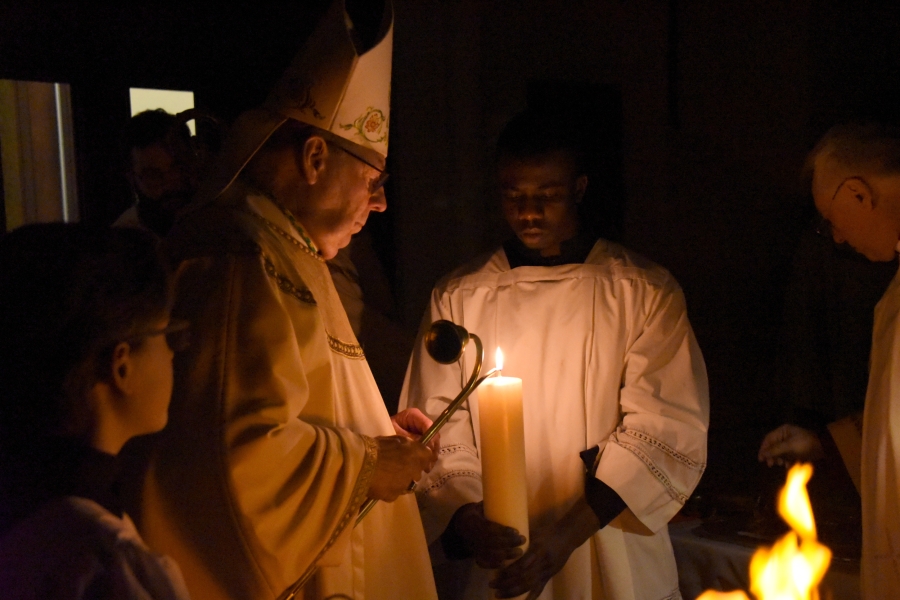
point(371, 125)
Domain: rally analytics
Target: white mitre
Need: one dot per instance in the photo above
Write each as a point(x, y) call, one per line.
point(331, 84)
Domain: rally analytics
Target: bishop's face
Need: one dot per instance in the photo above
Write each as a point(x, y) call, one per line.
point(539, 197)
point(340, 207)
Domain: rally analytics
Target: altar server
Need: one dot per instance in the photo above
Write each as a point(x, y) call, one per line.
point(615, 396)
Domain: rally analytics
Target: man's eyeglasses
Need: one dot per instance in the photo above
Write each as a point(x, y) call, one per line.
point(177, 334)
point(825, 227)
point(382, 174)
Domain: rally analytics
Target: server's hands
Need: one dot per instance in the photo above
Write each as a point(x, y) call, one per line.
point(492, 544)
point(412, 423)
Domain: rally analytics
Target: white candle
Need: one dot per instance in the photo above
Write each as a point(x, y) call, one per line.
point(503, 451)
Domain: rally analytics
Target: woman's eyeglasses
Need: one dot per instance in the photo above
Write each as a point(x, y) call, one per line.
point(177, 334)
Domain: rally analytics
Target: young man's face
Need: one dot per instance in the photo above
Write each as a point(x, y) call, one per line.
point(540, 196)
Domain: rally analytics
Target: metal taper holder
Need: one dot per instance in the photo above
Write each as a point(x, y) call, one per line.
point(445, 343)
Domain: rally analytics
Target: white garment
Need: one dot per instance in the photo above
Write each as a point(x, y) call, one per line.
point(608, 358)
point(74, 548)
point(880, 490)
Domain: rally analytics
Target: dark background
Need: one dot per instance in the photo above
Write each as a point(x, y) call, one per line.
point(703, 112)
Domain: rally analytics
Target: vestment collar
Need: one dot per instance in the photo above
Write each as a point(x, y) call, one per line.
point(572, 251)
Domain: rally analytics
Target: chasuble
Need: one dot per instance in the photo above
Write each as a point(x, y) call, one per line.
point(268, 454)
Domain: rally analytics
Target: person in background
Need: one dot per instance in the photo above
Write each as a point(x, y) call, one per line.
point(855, 171)
point(86, 366)
point(162, 170)
point(616, 401)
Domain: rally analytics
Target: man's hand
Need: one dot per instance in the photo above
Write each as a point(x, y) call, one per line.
point(412, 423)
point(789, 444)
point(400, 461)
point(492, 544)
point(547, 553)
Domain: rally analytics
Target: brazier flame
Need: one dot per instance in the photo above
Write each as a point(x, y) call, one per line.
point(793, 567)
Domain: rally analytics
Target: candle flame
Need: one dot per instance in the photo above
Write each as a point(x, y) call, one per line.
point(498, 359)
point(793, 567)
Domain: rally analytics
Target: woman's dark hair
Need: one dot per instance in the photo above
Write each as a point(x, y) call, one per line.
point(69, 293)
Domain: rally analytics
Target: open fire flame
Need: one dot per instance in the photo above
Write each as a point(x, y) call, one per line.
point(793, 567)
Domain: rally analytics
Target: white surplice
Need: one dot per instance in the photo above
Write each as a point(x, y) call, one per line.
point(268, 454)
point(880, 486)
point(607, 357)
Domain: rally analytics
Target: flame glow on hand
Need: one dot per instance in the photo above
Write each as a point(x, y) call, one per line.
point(793, 567)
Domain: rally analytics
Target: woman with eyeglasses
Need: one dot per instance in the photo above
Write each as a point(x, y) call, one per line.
point(85, 365)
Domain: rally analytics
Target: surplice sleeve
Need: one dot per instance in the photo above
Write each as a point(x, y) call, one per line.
point(293, 483)
point(655, 458)
point(430, 386)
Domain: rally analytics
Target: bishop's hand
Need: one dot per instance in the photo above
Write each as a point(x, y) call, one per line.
point(400, 460)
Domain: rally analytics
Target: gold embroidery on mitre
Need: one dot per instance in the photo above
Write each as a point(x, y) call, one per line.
point(286, 285)
point(349, 350)
point(372, 125)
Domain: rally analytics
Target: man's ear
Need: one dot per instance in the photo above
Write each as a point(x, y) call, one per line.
point(580, 186)
point(121, 375)
point(861, 192)
point(313, 158)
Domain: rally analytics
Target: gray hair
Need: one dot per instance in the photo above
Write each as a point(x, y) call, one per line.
point(871, 147)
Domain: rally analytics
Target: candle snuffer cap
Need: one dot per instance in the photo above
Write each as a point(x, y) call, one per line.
point(445, 341)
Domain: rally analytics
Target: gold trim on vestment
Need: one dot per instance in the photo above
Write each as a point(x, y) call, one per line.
point(284, 234)
point(301, 293)
point(345, 349)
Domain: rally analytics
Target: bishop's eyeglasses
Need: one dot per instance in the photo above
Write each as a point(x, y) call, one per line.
point(382, 173)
